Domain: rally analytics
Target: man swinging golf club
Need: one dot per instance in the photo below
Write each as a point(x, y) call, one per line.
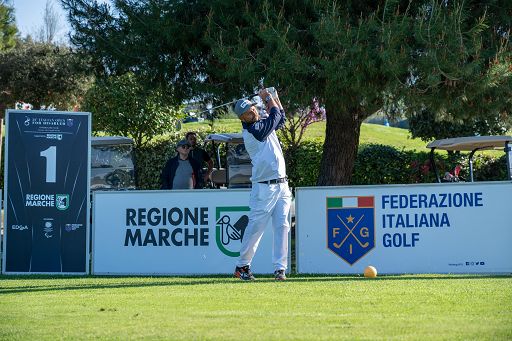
point(270, 196)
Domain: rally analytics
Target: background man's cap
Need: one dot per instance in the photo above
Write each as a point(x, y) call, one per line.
point(182, 143)
point(242, 105)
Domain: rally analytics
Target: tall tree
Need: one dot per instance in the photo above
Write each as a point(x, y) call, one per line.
point(354, 56)
point(51, 23)
point(8, 29)
point(357, 56)
point(160, 41)
point(463, 86)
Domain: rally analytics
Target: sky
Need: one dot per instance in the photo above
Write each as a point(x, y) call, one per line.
point(29, 17)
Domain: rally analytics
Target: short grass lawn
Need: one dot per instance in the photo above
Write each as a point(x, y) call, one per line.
point(418, 307)
point(370, 133)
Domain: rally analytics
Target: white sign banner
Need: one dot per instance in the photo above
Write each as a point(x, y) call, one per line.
point(434, 228)
point(173, 232)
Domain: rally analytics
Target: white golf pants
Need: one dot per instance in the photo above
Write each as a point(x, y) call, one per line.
point(266, 202)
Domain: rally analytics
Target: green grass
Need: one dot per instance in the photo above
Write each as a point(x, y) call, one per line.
point(227, 125)
point(396, 137)
point(316, 307)
point(370, 133)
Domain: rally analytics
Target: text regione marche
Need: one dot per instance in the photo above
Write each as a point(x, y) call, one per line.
point(173, 226)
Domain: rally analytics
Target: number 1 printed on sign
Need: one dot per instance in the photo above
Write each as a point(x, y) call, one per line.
point(50, 155)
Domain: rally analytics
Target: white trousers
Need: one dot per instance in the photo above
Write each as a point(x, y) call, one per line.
point(266, 202)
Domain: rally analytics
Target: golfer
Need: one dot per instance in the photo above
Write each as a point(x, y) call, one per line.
point(270, 196)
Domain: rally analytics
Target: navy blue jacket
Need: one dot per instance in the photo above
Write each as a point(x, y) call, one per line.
point(263, 128)
point(169, 171)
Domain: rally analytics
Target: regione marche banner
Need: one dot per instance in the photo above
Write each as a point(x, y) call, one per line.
point(46, 195)
point(173, 232)
point(423, 228)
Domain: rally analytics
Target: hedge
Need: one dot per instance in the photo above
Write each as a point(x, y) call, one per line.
point(381, 164)
point(303, 164)
point(375, 164)
point(378, 164)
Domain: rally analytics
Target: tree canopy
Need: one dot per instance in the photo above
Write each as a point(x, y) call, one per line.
point(121, 105)
point(42, 74)
point(47, 32)
point(451, 58)
point(8, 29)
point(160, 41)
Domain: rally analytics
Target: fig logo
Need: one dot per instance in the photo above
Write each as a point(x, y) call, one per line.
point(350, 227)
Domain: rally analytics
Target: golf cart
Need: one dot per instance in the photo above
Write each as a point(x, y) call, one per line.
point(232, 162)
point(473, 144)
point(112, 166)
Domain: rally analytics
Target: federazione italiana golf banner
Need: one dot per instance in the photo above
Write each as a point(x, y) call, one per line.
point(173, 232)
point(424, 228)
point(46, 198)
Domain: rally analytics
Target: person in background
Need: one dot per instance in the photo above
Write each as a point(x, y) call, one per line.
point(270, 198)
point(181, 171)
point(201, 156)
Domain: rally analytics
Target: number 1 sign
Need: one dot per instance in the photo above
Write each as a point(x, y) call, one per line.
point(46, 196)
point(51, 162)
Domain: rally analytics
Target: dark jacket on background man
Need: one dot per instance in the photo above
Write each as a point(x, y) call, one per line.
point(202, 157)
point(169, 171)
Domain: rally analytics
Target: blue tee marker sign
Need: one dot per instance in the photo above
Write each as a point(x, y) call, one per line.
point(46, 197)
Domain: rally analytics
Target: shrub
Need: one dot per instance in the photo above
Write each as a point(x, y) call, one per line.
point(381, 164)
point(303, 164)
point(489, 168)
point(123, 105)
point(151, 158)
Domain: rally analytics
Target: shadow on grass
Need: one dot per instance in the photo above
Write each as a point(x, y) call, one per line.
point(211, 280)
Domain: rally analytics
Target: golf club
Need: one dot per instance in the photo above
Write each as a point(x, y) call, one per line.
point(225, 104)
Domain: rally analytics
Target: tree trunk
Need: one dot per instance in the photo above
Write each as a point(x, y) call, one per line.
point(340, 147)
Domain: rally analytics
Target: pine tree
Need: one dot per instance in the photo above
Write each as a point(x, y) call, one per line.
point(8, 29)
point(452, 58)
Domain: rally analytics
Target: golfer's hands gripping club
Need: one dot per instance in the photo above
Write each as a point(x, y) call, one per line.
point(271, 100)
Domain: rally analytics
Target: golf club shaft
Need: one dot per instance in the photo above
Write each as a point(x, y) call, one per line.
point(225, 104)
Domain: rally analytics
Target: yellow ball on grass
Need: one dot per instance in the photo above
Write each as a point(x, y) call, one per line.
point(370, 272)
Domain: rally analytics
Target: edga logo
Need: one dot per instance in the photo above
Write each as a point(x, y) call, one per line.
point(230, 228)
point(350, 227)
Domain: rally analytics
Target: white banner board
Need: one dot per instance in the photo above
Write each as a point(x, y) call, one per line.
point(424, 228)
point(173, 232)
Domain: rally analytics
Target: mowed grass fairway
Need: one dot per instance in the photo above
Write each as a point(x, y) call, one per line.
point(459, 307)
point(370, 133)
